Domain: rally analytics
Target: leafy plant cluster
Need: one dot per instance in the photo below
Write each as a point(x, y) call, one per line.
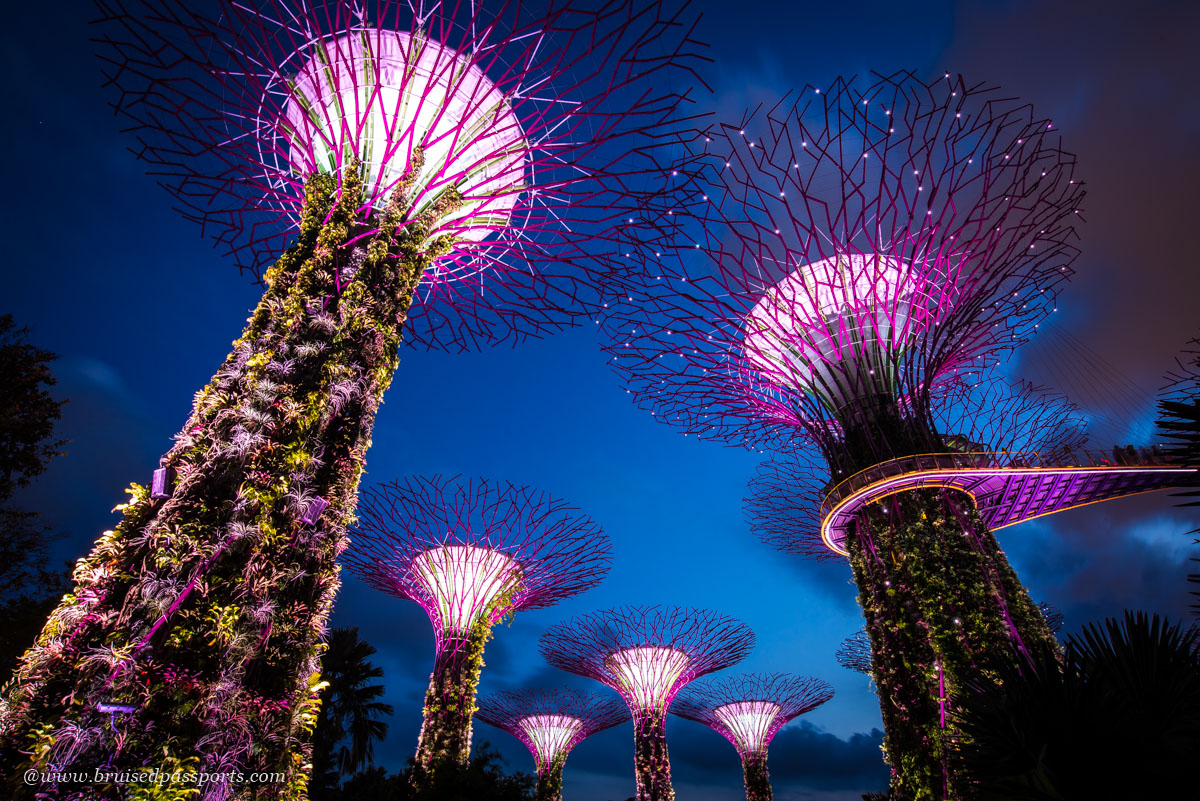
point(225, 578)
point(939, 599)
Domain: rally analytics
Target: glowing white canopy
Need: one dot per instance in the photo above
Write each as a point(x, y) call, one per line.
point(830, 327)
point(379, 94)
point(550, 734)
point(465, 582)
point(647, 673)
point(748, 722)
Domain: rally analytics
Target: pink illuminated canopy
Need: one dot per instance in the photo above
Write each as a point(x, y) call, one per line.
point(382, 95)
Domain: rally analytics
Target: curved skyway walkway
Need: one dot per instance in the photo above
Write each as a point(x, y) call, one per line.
point(1008, 488)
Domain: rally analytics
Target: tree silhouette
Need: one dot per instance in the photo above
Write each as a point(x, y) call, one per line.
point(349, 722)
point(29, 587)
point(1179, 421)
point(1125, 696)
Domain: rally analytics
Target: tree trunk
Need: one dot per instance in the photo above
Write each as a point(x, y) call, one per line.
point(444, 745)
point(941, 604)
point(758, 779)
point(192, 638)
point(651, 763)
point(549, 779)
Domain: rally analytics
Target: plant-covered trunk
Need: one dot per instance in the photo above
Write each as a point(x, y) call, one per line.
point(758, 780)
point(444, 745)
point(651, 764)
point(549, 779)
point(941, 604)
point(191, 640)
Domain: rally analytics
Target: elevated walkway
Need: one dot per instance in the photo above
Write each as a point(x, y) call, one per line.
point(1008, 488)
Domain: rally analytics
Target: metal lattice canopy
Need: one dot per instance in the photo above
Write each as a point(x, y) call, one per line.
point(551, 722)
point(647, 654)
point(847, 259)
point(748, 710)
point(546, 126)
point(463, 549)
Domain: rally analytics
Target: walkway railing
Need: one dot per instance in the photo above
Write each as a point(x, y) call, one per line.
point(1120, 456)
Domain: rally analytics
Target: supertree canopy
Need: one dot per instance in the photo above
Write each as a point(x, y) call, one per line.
point(850, 268)
point(648, 654)
point(748, 711)
point(470, 553)
point(550, 723)
point(448, 172)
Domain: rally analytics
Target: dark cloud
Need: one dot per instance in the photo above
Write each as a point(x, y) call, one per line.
point(801, 755)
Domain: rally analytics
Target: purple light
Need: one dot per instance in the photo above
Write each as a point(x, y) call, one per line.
point(647, 676)
point(749, 709)
point(551, 722)
point(748, 722)
point(465, 549)
point(420, 93)
point(465, 582)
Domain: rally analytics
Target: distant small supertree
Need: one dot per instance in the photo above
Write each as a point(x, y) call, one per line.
point(550, 723)
point(648, 654)
point(748, 711)
point(454, 174)
point(470, 553)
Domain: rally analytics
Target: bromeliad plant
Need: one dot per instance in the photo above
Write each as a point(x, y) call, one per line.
point(470, 553)
point(447, 175)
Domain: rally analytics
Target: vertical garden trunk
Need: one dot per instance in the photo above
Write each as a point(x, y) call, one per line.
point(549, 779)
point(758, 780)
point(191, 640)
point(651, 764)
point(444, 745)
point(941, 603)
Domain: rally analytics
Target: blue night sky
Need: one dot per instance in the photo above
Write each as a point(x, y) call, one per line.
point(142, 311)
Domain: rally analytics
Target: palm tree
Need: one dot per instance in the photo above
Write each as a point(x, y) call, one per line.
point(1117, 717)
point(349, 723)
point(1179, 421)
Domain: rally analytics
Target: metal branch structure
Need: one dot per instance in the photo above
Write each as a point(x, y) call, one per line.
point(449, 173)
point(854, 652)
point(849, 270)
point(550, 723)
point(748, 711)
point(648, 654)
point(469, 552)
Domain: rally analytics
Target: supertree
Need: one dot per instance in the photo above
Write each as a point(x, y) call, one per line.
point(470, 553)
point(446, 171)
point(748, 711)
point(851, 266)
point(550, 723)
point(647, 654)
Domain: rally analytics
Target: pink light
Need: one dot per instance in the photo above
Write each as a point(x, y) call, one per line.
point(831, 326)
point(749, 722)
point(647, 675)
point(551, 735)
point(465, 582)
point(380, 94)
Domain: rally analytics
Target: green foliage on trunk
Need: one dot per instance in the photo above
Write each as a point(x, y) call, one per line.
point(941, 604)
point(203, 611)
point(652, 765)
point(757, 777)
point(549, 779)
